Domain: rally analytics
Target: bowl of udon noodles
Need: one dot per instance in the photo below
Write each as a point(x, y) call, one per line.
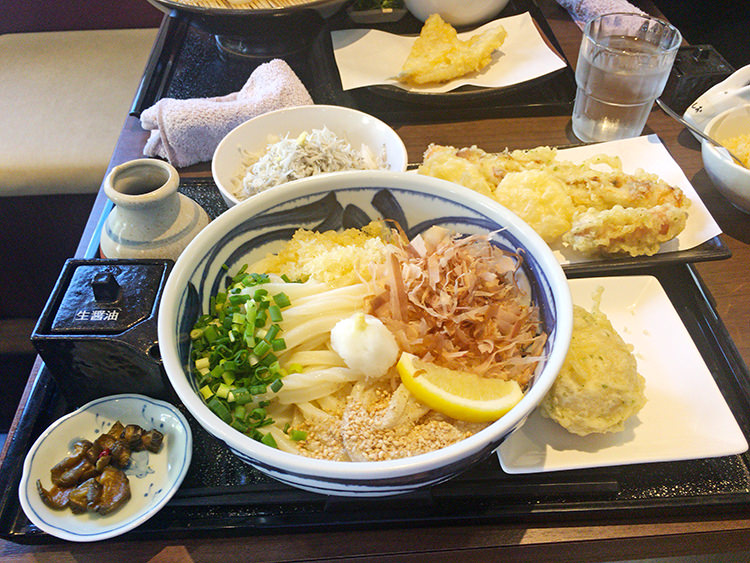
point(318, 331)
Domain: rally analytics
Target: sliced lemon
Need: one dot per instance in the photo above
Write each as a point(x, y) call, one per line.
point(458, 394)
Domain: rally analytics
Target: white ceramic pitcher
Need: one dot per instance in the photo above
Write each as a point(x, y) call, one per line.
point(150, 219)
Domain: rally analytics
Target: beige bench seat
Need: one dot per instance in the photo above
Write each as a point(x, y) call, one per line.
point(64, 97)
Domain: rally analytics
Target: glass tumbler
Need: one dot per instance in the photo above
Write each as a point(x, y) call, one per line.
point(623, 65)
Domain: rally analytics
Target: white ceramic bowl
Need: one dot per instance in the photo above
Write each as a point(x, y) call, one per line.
point(260, 225)
point(731, 179)
point(154, 477)
point(355, 126)
point(457, 12)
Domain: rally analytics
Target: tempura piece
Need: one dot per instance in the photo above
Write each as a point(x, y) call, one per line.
point(598, 387)
point(531, 194)
point(627, 230)
point(438, 55)
point(593, 207)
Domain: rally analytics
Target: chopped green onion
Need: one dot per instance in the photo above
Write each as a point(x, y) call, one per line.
point(268, 359)
point(258, 414)
point(242, 395)
point(239, 412)
point(238, 424)
point(258, 389)
point(272, 332)
point(234, 348)
point(202, 364)
point(274, 312)
point(210, 333)
point(297, 435)
point(261, 348)
point(219, 409)
point(223, 390)
point(268, 440)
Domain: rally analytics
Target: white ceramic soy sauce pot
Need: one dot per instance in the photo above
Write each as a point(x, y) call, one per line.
point(150, 218)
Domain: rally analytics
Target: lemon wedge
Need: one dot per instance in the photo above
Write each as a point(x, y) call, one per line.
point(458, 394)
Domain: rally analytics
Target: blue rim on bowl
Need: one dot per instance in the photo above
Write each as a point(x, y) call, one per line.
point(154, 477)
point(342, 200)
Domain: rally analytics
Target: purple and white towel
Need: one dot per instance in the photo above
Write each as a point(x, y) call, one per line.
point(584, 10)
point(186, 132)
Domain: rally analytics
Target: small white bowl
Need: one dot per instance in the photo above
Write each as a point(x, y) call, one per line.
point(261, 224)
point(731, 179)
point(356, 127)
point(154, 477)
point(456, 12)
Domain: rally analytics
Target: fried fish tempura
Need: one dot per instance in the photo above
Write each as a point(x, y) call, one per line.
point(438, 55)
point(632, 230)
point(593, 207)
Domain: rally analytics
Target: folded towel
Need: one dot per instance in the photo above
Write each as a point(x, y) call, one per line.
point(584, 10)
point(188, 131)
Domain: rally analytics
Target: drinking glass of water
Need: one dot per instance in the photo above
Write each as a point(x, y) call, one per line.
point(623, 65)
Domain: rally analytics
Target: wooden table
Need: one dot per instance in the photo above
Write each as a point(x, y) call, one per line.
point(578, 541)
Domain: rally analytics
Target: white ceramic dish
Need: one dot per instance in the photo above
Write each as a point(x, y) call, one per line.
point(356, 127)
point(685, 416)
point(250, 230)
point(456, 12)
point(730, 178)
point(154, 477)
point(730, 92)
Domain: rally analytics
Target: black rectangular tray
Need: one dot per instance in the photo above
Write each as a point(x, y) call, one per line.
point(221, 496)
point(188, 62)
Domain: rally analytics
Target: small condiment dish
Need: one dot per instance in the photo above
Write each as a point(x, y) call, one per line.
point(154, 477)
point(730, 178)
point(228, 165)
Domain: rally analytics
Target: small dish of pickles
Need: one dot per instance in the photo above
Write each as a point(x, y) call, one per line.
point(105, 468)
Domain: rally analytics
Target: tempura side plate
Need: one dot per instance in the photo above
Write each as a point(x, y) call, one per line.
point(685, 416)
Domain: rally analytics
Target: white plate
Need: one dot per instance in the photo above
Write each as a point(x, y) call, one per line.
point(685, 416)
point(523, 56)
point(154, 477)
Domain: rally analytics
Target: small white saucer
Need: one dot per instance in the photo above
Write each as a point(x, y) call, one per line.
point(154, 477)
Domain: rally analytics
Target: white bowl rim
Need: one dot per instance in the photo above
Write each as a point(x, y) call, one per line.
point(714, 150)
point(372, 470)
point(229, 137)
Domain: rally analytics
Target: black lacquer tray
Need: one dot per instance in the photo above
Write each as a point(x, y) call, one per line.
point(221, 496)
point(191, 60)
